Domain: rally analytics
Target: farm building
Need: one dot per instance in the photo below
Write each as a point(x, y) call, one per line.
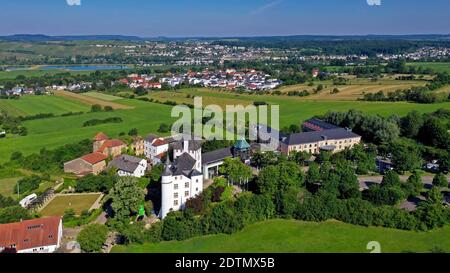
point(94, 163)
point(42, 235)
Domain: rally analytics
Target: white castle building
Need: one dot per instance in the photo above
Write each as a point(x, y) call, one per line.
point(182, 179)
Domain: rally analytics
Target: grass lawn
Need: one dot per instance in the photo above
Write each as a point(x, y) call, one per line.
point(32, 105)
point(78, 203)
point(289, 236)
point(7, 186)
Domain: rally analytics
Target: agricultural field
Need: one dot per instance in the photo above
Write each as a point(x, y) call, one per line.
point(290, 236)
point(147, 116)
point(91, 99)
point(61, 203)
point(354, 90)
point(436, 67)
point(32, 105)
point(102, 96)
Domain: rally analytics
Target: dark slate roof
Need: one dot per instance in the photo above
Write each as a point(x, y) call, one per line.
point(125, 163)
point(183, 163)
point(217, 155)
point(193, 145)
point(150, 138)
point(316, 136)
point(319, 125)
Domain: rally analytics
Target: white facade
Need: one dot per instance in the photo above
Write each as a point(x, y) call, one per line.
point(154, 149)
point(48, 248)
point(178, 187)
point(138, 172)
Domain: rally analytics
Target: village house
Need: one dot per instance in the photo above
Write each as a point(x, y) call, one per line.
point(41, 235)
point(137, 146)
point(108, 147)
point(155, 149)
point(129, 166)
point(94, 163)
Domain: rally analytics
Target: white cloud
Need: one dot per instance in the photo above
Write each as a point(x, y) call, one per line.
point(374, 2)
point(74, 2)
point(266, 7)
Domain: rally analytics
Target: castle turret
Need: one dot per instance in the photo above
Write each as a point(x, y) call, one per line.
point(167, 189)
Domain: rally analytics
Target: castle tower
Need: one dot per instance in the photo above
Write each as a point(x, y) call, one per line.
point(167, 190)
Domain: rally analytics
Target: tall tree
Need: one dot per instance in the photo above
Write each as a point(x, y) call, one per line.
point(126, 196)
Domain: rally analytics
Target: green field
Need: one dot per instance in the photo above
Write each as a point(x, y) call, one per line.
point(289, 236)
point(11, 75)
point(147, 117)
point(32, 105)
point(102, 96)
point(78, 203)
point(7, 186)
point(436, 67)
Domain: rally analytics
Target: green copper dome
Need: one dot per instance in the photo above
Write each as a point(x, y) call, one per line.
point(242, 145)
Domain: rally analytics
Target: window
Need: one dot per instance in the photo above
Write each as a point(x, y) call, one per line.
point(196, 189)
point(175, 186)
point(175, 195)
point(186, 193)
point(186, 185)
point(196, 181)
point(175, 203)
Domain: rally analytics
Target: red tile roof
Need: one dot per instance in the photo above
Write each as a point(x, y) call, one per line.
point(159, 142)
point(111, 144)
point(101, 137)
point(30, 234)
point(94, 158)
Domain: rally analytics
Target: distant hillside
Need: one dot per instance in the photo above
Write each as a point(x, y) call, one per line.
point(293, 38)
point(45, 38)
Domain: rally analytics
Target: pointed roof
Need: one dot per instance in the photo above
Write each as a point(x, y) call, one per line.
point(100, 137)
point(242, 144)
point(167, 168)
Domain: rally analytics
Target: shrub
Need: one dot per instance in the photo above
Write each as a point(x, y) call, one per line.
point(92, 237)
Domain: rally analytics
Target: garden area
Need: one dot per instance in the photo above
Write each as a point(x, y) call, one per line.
point(77, 202)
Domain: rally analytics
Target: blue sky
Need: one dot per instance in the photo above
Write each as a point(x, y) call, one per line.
point(175, 18)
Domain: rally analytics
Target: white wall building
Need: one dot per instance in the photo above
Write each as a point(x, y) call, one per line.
point(182, 179)
point(129, 166)
point(155, 149)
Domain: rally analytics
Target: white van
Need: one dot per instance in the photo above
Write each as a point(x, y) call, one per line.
point(28, 200)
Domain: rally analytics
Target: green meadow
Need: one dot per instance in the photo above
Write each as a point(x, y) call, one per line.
point(290, 236)
point(32, 105)
point(146, 117)
point(11, 75)
point(435, 66)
